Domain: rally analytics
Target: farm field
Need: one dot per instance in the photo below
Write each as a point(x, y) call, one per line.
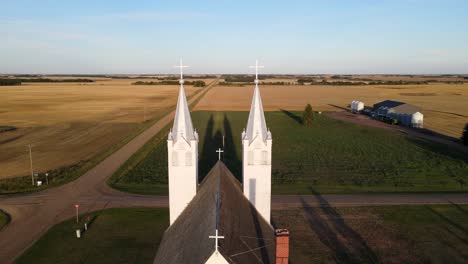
point(130, 235)
point(387, 234)
point(443, 105)
point(67, 123)
point(332, 156)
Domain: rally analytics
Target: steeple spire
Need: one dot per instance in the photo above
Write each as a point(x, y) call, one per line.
point(183, 128)
point(256, 125)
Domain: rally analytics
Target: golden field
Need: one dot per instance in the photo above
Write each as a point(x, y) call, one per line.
point(445, 106)
point(69, 122)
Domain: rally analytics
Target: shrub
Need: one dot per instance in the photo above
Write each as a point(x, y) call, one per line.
point(464, 137)
point(308, 115)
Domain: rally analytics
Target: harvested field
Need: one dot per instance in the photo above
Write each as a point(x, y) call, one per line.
point(445, 110)
point(69, 122)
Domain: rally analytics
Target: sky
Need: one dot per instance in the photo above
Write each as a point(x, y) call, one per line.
point(287, 37)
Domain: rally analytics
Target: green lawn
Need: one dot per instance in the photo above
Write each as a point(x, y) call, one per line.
point(332, 156)
point(4, 219)
point(386, 234)
point(130, 235)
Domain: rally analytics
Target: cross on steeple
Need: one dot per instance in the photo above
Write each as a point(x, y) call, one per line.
point(256, 67)
point(219, 153)
point(216, 237)
point(181, 67)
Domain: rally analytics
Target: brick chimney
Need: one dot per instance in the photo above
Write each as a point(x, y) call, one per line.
point(282, 246)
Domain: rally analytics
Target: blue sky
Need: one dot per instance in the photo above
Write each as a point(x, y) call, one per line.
point(410, 36)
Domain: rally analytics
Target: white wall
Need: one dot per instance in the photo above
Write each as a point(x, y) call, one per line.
point(183, 175)
point(216, 258)
point(256, 166)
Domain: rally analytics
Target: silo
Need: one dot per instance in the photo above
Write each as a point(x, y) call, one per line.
point(417, 120)
point(359, 106)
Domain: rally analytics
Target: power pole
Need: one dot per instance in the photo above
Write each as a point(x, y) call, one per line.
point(31, 164)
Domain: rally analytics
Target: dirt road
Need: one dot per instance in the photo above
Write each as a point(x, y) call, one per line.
point(33, 214)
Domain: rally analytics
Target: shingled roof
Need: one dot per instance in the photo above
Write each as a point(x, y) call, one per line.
point(248, 238)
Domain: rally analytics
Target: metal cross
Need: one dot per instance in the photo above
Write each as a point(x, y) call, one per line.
point(256, 67)
point(181, 67)
point(216, 237)
point(219, 153)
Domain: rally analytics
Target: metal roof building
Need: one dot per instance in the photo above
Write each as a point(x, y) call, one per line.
point(406, 114)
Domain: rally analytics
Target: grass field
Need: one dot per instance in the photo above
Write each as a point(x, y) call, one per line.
point(115, 236)
point(4, 219)
point(443, 105)
point(330, 157)
point(387, 234)
point(71, 122)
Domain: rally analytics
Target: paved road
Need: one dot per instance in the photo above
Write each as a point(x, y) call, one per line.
point(33, 214)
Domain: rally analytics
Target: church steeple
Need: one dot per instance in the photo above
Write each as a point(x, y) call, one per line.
point(256, 156)
point(256, 125)
point(182, 150)
point(183, 127)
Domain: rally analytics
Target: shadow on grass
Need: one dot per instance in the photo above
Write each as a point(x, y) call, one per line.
point(293, 116)
point(439, 149)
point(345, 243)
point(212, 142)
point(340, 107)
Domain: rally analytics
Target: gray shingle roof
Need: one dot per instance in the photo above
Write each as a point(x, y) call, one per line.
point(248, 237)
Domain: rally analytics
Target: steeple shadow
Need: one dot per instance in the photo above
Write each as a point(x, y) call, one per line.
point(211, 143)
point(346, 244)
point(207, 158)
point(230, 157)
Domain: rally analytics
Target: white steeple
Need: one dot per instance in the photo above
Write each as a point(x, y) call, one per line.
point(256, 125)
point(183, 127)
point(256, 155)
point(182, 148)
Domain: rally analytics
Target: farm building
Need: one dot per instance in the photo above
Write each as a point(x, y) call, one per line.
point(357, 106)
point(403, 113)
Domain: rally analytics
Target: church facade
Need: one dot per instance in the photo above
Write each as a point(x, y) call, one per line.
point(220, 220)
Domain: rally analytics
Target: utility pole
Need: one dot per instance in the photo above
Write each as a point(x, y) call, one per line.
point(31, 164)
point(77, 206)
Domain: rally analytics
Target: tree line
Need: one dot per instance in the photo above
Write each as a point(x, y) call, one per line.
point(19, 81)
point(4, 82)
point(169, 82)
point(338, 83)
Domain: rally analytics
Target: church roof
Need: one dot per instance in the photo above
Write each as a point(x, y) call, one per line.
point(256, 125)
point(219, 204)
point(183, 128)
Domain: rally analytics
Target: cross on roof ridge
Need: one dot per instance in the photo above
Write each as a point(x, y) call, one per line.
point(216, 237)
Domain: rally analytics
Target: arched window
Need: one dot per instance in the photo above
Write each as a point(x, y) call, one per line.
point(175, 158)
point(250, 157)
point(188, 158)
point(264, 157)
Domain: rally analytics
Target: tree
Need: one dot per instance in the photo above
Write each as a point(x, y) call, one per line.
point(464, 137)
point(308, 115)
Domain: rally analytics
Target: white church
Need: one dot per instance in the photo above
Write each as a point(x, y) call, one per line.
point(221, 220)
